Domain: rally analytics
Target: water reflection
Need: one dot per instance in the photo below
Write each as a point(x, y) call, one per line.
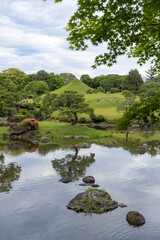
point(16, 148)
point(152, 147)
point(73, 166)
point(8, 174)
point(45, 149)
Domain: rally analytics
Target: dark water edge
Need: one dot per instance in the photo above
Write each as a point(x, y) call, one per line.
point(33, 202)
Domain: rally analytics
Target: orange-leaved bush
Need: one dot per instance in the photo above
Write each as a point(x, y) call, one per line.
point(30, 123)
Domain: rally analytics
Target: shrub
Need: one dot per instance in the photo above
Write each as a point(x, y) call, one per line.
point(23, 111)
point(1, 123)
point(38, 105)
point(114, 90)
point(99, 118)
point(89, 91)
point(22, 117)
point(82, 120)
point(28, 106)
point(29, 115)
point(100, 89)
point(30, 123)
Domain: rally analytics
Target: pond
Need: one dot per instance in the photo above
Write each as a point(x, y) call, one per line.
point(33, 201)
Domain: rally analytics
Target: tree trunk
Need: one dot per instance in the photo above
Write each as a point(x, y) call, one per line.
point(127, 133)
point(75, 119)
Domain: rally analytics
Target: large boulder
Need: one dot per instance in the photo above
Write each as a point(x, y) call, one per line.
point(135, 218)
point(92, 201)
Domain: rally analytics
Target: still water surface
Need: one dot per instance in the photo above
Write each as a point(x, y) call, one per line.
point(33, 201)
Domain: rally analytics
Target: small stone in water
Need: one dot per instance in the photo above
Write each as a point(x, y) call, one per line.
point(65, 180)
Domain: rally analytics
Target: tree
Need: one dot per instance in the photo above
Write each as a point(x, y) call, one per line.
point(133, 81)
point(55, 81)
point(149, 89)
point(42, 75)
point(71, 103)
point(67, 77)
point(85, 78)
point(15, 76)
point(38, 87)
point(129, 27)
point(48, 104)
point(130, 99)
point(8, 174)
point(150, 75)
point(27, 79)
point(111, 81)
point(73, 166)
point(146, 112)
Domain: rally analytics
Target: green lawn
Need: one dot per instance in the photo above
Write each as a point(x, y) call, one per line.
point(105, 104)
point(65, 129)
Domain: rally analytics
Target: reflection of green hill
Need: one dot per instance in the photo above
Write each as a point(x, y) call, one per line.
point(73, 166)
point(8, 174)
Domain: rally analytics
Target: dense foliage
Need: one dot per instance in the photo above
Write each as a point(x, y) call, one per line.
point(146, 112)
point(70, 103)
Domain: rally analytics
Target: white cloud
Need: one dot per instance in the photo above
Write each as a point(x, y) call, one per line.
point(33, 38)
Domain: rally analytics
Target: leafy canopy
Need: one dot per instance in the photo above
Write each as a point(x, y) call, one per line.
point(129, 27)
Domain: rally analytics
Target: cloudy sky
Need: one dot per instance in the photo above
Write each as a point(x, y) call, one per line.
point(33, 38)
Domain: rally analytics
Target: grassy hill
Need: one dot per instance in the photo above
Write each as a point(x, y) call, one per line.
point(75, 85)
point(104, 104)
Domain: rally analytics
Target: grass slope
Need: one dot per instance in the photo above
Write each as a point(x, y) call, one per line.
point(105, 104)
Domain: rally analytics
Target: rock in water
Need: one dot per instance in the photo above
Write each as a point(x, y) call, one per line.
point(135, 218)
point(92, 201)
point(65, 180)
point(122, 205)
point(88, 179)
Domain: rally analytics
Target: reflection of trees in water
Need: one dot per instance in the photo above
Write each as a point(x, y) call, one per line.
point(46, 148)
point(73, 166)
point(152, 147)
point(8, 174)
point(16, 148)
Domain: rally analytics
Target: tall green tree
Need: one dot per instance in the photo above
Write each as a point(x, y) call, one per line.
point(150, 75)
point(111, 81)
point(55, 81)
point(15, 76)
point(133, 81)
point(85, 78)
point(42, 75)
point(70, 103)
point(129, 27)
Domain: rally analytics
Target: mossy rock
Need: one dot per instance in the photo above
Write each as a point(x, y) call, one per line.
point(92, 201)
point(135, 218)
